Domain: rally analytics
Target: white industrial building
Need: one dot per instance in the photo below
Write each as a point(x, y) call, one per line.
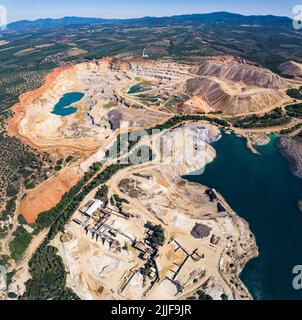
point(96, 204)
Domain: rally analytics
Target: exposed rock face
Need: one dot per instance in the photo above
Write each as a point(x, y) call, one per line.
point(232, 69)
point(187, 149)
point(233, 98)
point(234, 86)
point(291, 150)
point(291, 68)
point(133, 117)
point(197, 104)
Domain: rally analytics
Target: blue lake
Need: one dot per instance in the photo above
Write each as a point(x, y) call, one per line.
point(262, 190)
point(64, 106)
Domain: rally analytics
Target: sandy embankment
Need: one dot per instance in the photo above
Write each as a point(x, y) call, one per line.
point(47, 194)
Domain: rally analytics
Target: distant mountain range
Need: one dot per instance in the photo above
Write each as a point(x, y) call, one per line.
point(216, 17)
point(54, 23)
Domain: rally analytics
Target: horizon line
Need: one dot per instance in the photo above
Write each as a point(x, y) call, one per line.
point(158, 17)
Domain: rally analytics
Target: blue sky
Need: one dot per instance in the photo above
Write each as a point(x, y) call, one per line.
point(34, 9)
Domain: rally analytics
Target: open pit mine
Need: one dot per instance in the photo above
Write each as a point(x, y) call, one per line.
point(149, 233)
point(142, 93)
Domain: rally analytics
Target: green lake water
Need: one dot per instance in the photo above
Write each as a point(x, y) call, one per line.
point(64, 106)
point(262, 190)
point(136, 88)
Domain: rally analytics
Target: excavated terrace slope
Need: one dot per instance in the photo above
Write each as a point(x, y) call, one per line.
point(234, 87)
point(291, 68)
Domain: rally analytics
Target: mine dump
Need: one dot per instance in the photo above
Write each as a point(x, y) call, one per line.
point(200, 231)
point(291, 68)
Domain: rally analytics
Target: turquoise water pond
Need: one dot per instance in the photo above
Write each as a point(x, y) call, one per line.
point(136, 88)
point(64, 106)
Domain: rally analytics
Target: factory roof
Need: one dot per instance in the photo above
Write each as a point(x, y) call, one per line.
point(93, 207)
